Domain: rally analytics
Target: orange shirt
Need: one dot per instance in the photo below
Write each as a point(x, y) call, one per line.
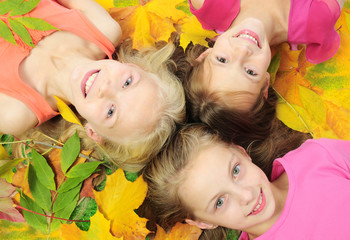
point(12, 55)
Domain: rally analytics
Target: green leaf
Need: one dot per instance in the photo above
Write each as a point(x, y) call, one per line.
point(22, 32)
point(67, 211)
point(131, 176)
point(64, 199)
point(8, 5)
point(7, 138)
point(274, 65)
point(43, 170)
point(83, 170)
point(69, 184)
point(36, 221)
point(7, 165)
point(86, 208)
point(232, 235)
point(6, 33)
point(24, 7)
point(35, 23)
point(70, 152)
point(40, 193)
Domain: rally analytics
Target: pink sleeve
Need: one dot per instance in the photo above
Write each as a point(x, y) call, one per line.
point(216, 14)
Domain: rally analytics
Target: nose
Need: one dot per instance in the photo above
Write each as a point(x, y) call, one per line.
point(240, 52)
point(244, 195)
point(105, 89)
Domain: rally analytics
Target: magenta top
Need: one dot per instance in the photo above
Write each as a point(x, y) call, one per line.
point(311, 22)
point(317, 204)
point(216, 14)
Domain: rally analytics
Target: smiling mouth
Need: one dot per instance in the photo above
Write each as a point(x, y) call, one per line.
point(260, 204)
point(250, 36)
point(88, 81)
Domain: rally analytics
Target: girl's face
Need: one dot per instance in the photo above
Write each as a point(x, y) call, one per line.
point(239, 61)
point(223, 187)
point(118, 100)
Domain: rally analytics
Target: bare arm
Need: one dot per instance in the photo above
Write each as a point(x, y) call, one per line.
point(197, 4)
point(341, 3)
point(16, 117)
point(98, 16)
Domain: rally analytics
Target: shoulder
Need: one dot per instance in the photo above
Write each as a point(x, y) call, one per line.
point(196, 4)
point(98, 16)
point(16, 117)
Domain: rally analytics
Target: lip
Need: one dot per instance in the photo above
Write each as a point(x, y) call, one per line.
point(85, 78)
point(252, 34)
point(262, 205)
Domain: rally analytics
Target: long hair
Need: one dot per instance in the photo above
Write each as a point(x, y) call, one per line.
point(166, 173)
point(134, 154)
point(219, 111)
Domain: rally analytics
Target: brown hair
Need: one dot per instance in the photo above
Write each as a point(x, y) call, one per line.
point(218, 111)
point(164, 174)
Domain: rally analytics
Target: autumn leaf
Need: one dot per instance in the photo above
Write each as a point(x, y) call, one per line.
point(66, 112)
point(23, 231)
point(118, 201)
point(192, 31)
point(317, 96)
point(99, 230)
point(179, 231)
point(7, 211)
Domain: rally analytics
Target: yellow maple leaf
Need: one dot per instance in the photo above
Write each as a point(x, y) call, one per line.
point(179, 231)
point(99, 229)
point(117, 203)
point(148, 23)
point(106, 4)
point(66, 112)
point(318, 95)
point(191, 30)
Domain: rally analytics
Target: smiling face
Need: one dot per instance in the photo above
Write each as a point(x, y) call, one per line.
point(118, 100)
point(239, 61)
point(223, 187)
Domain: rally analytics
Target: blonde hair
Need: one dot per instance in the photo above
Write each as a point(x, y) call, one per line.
point(134, 154)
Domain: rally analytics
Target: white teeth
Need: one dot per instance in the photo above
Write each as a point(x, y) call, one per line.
point(89, 82)
point(244, 35)
point(259, 204)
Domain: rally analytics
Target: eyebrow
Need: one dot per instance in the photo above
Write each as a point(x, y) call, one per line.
point(218, 194)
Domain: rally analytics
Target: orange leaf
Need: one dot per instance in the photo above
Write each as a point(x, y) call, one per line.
point(179, 231)
point(117, 203)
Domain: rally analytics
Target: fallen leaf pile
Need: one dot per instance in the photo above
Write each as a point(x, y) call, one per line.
point(102, 202)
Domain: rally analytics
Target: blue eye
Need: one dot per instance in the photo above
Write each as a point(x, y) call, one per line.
point(219, 203)
point(221, 59)
point(110, 112)
point(236, 170)
point(250, 72)
point(127, 82)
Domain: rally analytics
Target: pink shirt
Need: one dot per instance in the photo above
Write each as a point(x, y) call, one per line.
point(317, 205)
point(11, 55)
point(311, 22)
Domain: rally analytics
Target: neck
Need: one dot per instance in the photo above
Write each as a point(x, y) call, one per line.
point(50, 74)
point(274, 15)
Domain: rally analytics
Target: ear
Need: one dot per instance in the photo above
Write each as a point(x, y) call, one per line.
point(92, 133)
point(201, 225)
point(267, 84)
point(203, 55)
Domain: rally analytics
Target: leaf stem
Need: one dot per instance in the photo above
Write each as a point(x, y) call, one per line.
point(295, 111)
point(68, 220)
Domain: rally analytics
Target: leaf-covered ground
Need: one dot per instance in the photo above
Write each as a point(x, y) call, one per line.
point(313, 98)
